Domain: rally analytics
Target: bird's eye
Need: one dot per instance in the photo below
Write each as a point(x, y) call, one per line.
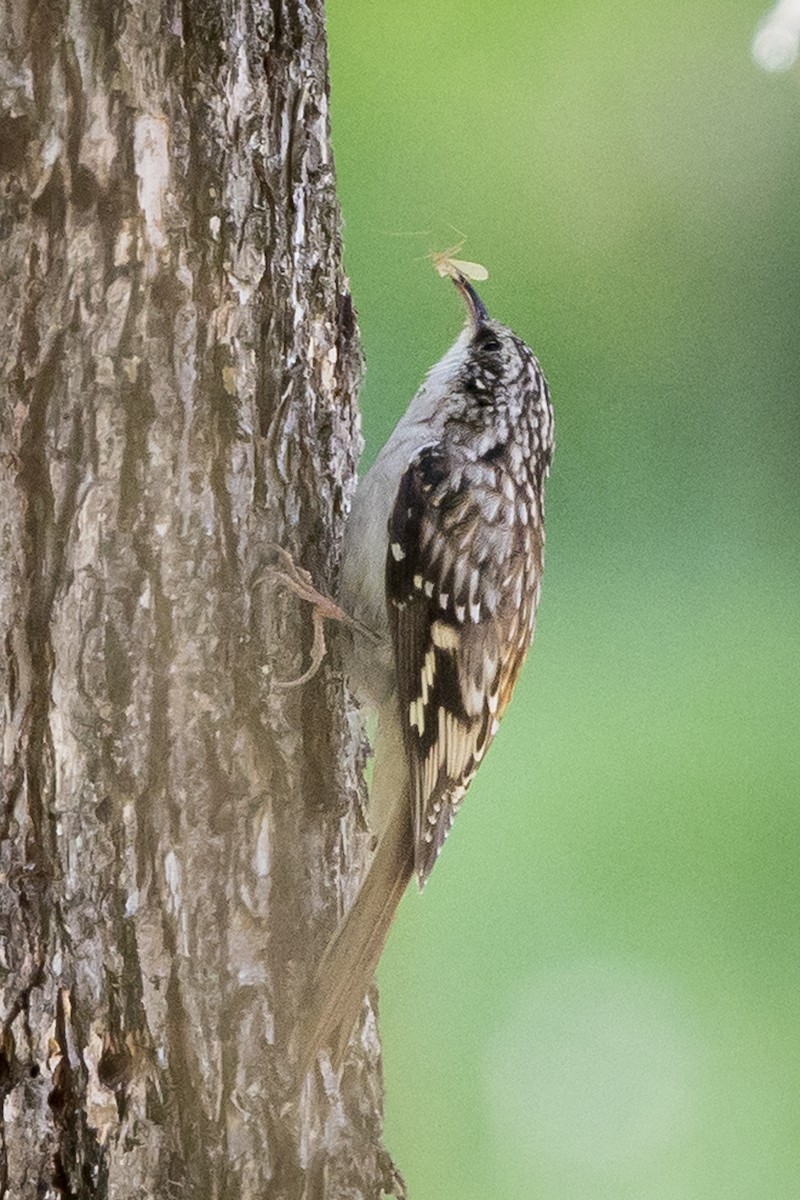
point(490, 344)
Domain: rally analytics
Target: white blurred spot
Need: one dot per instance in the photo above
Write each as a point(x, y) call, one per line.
point(595, 1067)
point(777, 40)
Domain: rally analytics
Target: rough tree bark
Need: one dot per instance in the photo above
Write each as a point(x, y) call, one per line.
point(179, 361)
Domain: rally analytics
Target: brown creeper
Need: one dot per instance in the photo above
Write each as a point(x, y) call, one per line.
point(443, 560)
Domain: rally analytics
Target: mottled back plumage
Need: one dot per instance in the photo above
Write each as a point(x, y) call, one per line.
point(442, 562)
point(463, 571)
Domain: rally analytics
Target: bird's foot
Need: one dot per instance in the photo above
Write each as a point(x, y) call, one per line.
point(296, 579)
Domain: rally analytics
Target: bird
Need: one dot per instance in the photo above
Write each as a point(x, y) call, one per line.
point(440, 579)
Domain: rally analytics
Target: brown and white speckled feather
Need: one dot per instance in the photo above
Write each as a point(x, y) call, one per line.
point(451, 593)
point(463, 570)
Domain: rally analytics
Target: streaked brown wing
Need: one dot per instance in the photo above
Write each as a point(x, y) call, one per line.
point(460, 582)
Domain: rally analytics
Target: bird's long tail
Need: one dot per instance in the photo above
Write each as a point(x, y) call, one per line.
point(345, 972)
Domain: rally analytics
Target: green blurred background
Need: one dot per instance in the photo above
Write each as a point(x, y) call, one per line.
point(599, 995)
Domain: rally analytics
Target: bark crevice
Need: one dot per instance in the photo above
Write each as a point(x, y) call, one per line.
point(177, 835)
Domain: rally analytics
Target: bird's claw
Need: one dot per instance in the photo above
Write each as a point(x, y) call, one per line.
point(297, 579)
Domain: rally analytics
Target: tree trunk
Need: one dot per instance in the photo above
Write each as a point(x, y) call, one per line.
point(178, 835)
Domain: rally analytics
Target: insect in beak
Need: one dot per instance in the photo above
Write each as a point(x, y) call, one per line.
point(461, 272)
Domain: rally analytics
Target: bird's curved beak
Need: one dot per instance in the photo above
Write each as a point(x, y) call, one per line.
point(475, 307)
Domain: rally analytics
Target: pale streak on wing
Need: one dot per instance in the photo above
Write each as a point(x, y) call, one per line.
point(457, 662)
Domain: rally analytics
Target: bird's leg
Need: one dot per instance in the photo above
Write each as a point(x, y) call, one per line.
point(323, 609)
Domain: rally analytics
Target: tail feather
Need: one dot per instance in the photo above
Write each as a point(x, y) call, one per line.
point(348, 965)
